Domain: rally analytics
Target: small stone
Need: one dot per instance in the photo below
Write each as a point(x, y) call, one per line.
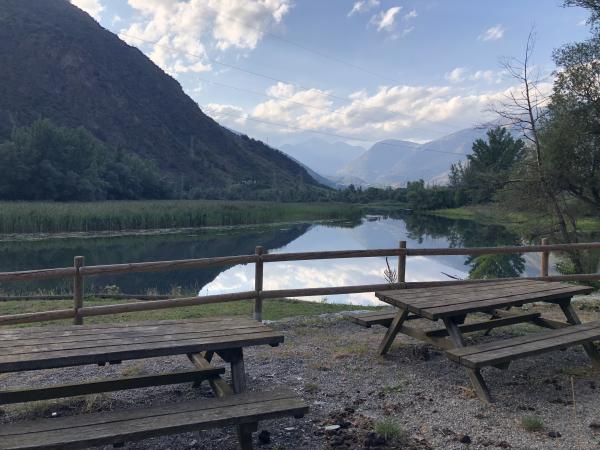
point(194, 444)
point(345, 424)
point(331, 427)
point(54, 414)
point(264, 437)
point(464, 438)
point(554, 434)
point(380, 440)
point(504, 444)
point(595, 425)
point(289, 428)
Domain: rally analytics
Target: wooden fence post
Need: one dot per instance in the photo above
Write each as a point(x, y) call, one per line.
point(402, 264)
point(258, 283)
point(545, 260)
point(79, 262)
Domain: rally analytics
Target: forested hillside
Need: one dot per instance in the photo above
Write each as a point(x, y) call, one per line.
point(57, 63)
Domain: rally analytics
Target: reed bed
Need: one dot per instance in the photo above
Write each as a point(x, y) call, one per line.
point(114, 216)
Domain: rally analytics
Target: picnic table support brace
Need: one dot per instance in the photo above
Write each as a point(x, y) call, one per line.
point(392, 331)
point(573, 319)
point(474, 374)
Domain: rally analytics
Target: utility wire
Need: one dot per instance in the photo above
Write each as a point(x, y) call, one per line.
point(325, 133)
point(261, 75)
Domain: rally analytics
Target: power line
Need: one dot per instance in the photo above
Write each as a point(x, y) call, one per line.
point(325, 133)
point(262, 94)
point(261, 75)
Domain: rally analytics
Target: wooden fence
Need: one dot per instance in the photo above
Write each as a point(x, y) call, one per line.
point(79, 271)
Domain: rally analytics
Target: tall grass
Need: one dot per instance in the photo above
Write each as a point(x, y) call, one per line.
point(49, 217)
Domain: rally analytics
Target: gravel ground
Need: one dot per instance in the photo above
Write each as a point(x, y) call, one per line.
point(332, 364)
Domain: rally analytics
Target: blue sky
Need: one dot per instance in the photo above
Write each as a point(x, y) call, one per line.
point(366, 70)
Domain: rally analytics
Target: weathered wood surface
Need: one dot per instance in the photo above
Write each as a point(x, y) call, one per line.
point(138, 424)
point(108, 385)
point(439, 302)
point(32, 349)
point(519, 347)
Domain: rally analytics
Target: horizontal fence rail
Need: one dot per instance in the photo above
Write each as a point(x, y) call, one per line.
point(79, 271)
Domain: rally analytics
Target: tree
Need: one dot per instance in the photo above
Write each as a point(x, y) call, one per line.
point(524, 109)
point(48, 162)
point(488, 168)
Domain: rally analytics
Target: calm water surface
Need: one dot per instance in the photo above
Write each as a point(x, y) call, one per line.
point(370, 232)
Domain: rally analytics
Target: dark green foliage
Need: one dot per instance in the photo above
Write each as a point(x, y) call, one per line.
point(46, 162)
point(495, 266)
point(488, 168)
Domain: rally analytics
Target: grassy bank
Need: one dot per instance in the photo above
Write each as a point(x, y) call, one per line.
point(520, 222)
point(49, 217)
point(273, 309)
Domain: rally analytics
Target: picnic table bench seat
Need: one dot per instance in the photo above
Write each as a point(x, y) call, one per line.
point(506, 350)
point(137, 424)
point(368, 319)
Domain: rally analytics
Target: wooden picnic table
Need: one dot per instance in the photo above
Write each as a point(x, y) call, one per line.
point(452, 304)
point(36, 348)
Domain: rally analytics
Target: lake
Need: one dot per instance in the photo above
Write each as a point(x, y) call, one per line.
point(366, 233)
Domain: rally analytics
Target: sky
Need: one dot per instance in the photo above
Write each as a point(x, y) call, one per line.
point(358, 71)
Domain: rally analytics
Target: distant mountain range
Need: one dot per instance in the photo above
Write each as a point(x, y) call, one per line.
point(390, 162)
point(56, 62)
point(325, 158)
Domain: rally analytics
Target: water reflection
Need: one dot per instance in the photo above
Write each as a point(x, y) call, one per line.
point(381, 232)
point(370, 232)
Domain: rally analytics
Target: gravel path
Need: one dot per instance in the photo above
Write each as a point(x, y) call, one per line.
point(332, 364)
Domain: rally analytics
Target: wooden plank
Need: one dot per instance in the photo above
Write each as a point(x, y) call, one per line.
point(527, 349)
point(124, 335)
point(132, 425)
point(126, 340)
point(466, 295)
point(501, 250)
point(156, 266)
point(515, 300)
point(573, 318)
point(392, 331)
point(71, 330)
point(55, 359)
point(469, 295)
point(489, 324)
point(546, 334)
point(479, 297)
point(457, 289)
point(107, 385)
point(334, 254)
point(218, 385)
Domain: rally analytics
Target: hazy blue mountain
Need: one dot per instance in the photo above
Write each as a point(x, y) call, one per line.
point(395, 162)
point(322, 156)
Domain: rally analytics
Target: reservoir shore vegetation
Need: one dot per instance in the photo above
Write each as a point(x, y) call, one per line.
point(118, 216)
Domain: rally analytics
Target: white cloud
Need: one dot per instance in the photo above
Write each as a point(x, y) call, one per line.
point(462, 74)
point(456, 75)
point(385, 20)
point(401, 111)
point(183, 30)
point(411, 15)
point(225, 113)
point(493, 34)
point(363, 6)
point(93, 7)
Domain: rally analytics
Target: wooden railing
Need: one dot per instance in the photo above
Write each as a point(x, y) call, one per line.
point(79, 271)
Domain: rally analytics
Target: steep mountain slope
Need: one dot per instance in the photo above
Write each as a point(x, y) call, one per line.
point(321, 156)
point(374, 165)
point(56, 62)
point(394, 163)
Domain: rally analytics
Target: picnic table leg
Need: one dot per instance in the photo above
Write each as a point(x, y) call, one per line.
point(573, 319)
point(474, 374)
point(392, 331)
point(235, 357)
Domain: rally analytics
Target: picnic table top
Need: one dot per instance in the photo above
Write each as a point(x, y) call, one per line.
point(446, 301)
point(50, 347)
